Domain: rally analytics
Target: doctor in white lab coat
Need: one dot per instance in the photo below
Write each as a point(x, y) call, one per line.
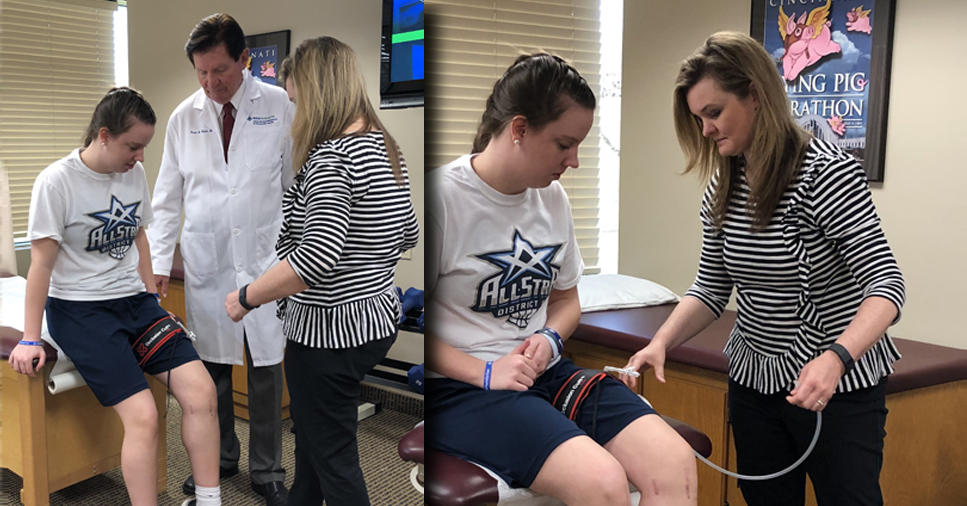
point(232, 201)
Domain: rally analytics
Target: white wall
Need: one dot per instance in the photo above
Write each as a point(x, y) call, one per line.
point(921, 201)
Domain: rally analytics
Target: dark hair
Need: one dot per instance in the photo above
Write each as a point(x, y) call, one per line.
point(533, 88)
point(212, 31)
point(285, 71)
point(117, 112)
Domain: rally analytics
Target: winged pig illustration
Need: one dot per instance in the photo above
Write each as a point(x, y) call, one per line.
point(806, 39)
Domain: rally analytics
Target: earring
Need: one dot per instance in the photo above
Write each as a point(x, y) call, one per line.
point(517, 142)
point(104, 144)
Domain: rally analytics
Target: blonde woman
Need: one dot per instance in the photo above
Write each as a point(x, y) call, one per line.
point(347, 220)
point(789, 223)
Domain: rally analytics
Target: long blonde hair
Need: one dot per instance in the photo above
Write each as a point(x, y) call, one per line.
point(331, 96)
point(740, 65)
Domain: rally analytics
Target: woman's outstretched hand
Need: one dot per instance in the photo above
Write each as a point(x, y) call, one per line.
point(652, 355)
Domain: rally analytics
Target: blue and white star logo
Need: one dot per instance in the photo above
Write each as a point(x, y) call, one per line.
point(119, 214)
point(523, 259)
point(525, 279)
point(120, 227)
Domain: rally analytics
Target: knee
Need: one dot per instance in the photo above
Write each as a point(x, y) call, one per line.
point(200, 399)
point(143, 422)
point(675, 470)
point(680, 455)
point(607, 484)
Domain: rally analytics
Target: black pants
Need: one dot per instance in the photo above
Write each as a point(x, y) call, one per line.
point(324, 388)
point(265, 419)
point(771, 434)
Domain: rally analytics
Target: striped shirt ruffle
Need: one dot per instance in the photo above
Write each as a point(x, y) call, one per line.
point(346, 222)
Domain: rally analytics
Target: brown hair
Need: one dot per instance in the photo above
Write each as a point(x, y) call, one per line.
point(285, 71)
point(741, 66)
point(532, 87)
point(212, 31)
point(332, 96)
point(117, 112)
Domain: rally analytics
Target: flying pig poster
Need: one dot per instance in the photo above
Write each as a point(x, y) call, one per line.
point(824, 51)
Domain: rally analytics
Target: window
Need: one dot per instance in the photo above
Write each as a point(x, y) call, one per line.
point(474, 42)
point(56, 63)
point(609, 108)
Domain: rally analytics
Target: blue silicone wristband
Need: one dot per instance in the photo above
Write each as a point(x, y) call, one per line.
point(488, 370)
point(32, 343)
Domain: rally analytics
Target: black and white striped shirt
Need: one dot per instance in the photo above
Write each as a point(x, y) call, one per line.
point(346, 223)
point(800, 281)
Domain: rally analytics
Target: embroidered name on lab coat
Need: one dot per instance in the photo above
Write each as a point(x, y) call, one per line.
point(263, 120)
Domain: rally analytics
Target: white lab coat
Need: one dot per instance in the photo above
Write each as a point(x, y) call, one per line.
point(233, 213)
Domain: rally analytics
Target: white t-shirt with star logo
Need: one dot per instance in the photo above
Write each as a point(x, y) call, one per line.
point(95, 218)
point(494, 259)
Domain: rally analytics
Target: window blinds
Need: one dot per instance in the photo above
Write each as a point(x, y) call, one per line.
point(56, 63)
point(474, 41)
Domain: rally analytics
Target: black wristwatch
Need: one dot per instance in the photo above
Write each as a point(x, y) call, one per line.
point(244, 302)
point(844, 355)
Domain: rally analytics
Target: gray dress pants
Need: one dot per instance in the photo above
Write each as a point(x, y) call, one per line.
point(265, 419)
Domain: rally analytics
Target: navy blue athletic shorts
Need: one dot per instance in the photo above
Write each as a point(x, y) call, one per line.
point(98, 335)
point(512, 433)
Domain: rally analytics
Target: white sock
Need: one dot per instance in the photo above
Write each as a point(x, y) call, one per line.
point(208, 496)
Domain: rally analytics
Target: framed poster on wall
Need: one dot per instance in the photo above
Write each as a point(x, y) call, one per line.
point(835, 59)
point(266, 52)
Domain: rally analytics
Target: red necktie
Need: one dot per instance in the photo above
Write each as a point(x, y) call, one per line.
point(228, 121)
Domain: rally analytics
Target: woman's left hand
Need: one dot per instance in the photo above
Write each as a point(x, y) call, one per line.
point(234, 308)
point(817, 382)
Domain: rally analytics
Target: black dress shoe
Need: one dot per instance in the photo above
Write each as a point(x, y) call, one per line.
point(188, 487)
point(274, 492)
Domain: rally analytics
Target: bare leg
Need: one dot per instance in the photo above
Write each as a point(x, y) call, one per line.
point(582, 473)
point(195, 391)
point(658, 462)
point(139, 450)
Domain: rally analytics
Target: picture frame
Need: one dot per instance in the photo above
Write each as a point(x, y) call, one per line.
point(266, 52)
point(835, 58)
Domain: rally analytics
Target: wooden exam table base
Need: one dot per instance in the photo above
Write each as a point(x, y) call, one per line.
point(54, 441)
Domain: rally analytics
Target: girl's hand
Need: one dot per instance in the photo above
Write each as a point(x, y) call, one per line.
point(515, 371)
point(22, 358)
point(539, 350)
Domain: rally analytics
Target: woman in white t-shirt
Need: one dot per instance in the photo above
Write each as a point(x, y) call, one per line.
point(91, 270)
point(502, 284)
